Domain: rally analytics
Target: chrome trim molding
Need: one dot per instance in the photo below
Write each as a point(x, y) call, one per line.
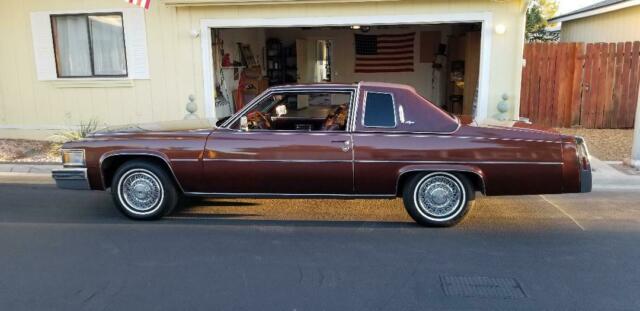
point(445, 135)
point(354, 110)
point(459, 162)
point(277, 160)
point(287, 195)
point(381, 161)
point(69, 173)
point(71, 178)
point(364, 110)
point(184, 160)
point(286, 132)
point(134, 153)
point(269, 91)
point(189, 132)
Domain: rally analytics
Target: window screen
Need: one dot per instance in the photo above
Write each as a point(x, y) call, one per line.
point(379, 110)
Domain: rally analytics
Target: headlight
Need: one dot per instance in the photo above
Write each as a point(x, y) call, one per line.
point(73, 157)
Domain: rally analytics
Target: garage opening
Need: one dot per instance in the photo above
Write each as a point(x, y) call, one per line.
point(441, 61)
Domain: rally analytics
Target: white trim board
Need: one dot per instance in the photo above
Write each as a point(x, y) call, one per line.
point(258, 2)
point(135, 40)
point(486, 18)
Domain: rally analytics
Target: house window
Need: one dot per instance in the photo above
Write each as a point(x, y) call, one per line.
point(89, 45)
point(379, 110)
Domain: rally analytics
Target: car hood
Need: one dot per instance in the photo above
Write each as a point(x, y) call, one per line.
point(189, 125)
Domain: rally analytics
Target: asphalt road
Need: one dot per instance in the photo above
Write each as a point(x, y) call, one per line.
point(71, 250)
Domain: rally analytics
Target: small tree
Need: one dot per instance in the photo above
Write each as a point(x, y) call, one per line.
point(538, 13)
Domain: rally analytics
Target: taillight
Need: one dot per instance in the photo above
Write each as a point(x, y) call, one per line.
point(585, 164)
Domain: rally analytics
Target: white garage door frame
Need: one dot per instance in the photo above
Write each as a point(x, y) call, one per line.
point(486, 18)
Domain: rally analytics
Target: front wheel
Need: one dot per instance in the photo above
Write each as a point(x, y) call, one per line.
point(143, 190)
point(438, 199)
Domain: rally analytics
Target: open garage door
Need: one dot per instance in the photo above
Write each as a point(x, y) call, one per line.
point(442, 61)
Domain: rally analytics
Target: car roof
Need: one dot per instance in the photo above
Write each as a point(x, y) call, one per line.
point(343, 85)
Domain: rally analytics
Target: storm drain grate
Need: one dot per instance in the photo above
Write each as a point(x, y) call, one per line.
point(481, 286)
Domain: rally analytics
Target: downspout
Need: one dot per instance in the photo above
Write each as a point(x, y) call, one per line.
point(520, 59)
point(635, 150)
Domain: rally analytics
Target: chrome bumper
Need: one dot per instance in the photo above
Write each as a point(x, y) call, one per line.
point(584, 160)
point(585, 180)
point(71, 178)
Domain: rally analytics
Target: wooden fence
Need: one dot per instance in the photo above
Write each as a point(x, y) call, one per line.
point(576, 84)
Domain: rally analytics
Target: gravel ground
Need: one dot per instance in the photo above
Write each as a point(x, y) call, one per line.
point(605, 144)
point(27, 151)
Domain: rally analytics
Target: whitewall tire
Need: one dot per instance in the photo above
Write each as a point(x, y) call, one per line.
point(143, 190)
point(438, 199)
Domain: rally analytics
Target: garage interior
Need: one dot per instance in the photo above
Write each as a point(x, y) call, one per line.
point(441, 60)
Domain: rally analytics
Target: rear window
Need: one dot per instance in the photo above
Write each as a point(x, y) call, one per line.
point(379, 110)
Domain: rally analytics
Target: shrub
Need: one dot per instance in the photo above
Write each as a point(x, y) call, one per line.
point(58, 139)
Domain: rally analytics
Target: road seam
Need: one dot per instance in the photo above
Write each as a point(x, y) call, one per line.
point(564, 212)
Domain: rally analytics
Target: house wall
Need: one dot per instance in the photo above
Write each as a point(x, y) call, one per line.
point(616, 26)
point(34, 109)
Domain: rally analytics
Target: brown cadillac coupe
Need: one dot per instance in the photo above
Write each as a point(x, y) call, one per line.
point(365, 140)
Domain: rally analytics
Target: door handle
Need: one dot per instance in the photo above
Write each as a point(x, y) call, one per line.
point(346, 144)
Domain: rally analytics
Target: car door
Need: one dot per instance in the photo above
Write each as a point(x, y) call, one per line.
point(270, 162)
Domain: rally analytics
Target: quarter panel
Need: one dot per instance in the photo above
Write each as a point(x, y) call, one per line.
point(181, 151)
point(509, 166)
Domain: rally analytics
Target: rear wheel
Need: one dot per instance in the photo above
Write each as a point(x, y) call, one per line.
point(438, 199)
point(143, 190)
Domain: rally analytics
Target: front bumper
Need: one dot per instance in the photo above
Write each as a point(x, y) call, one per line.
point(71, 178)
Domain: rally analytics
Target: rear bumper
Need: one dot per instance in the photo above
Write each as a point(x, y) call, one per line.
point(585, 180)
point(71, 178)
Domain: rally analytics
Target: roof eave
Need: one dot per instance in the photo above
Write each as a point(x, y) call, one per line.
point(254, 2)
point(598, 11)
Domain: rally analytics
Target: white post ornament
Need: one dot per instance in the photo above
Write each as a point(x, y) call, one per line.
point(503, 108)
point(191, 108)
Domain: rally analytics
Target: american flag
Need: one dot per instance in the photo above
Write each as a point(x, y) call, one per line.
point(384, 53)
point(141, 3)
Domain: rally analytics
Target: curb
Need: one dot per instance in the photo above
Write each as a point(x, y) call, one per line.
point(28, 168)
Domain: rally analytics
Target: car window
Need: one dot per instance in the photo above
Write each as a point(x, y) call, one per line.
point(379, 110)
point(300, 111)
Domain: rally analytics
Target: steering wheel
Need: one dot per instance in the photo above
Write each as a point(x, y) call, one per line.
point(259, 120)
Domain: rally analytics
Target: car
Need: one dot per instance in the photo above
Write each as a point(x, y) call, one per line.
point(362, 140)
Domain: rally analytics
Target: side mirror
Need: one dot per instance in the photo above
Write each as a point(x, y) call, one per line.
point(244, 123)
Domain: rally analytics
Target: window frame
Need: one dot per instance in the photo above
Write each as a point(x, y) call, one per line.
point(242, 112)
point(89, 36)
point(393, 105)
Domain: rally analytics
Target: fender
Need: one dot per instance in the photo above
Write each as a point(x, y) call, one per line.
point(139, 152)
point(444, 168)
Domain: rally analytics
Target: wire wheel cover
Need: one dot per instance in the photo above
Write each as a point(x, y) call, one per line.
point(439, 195)
point(141, 190)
